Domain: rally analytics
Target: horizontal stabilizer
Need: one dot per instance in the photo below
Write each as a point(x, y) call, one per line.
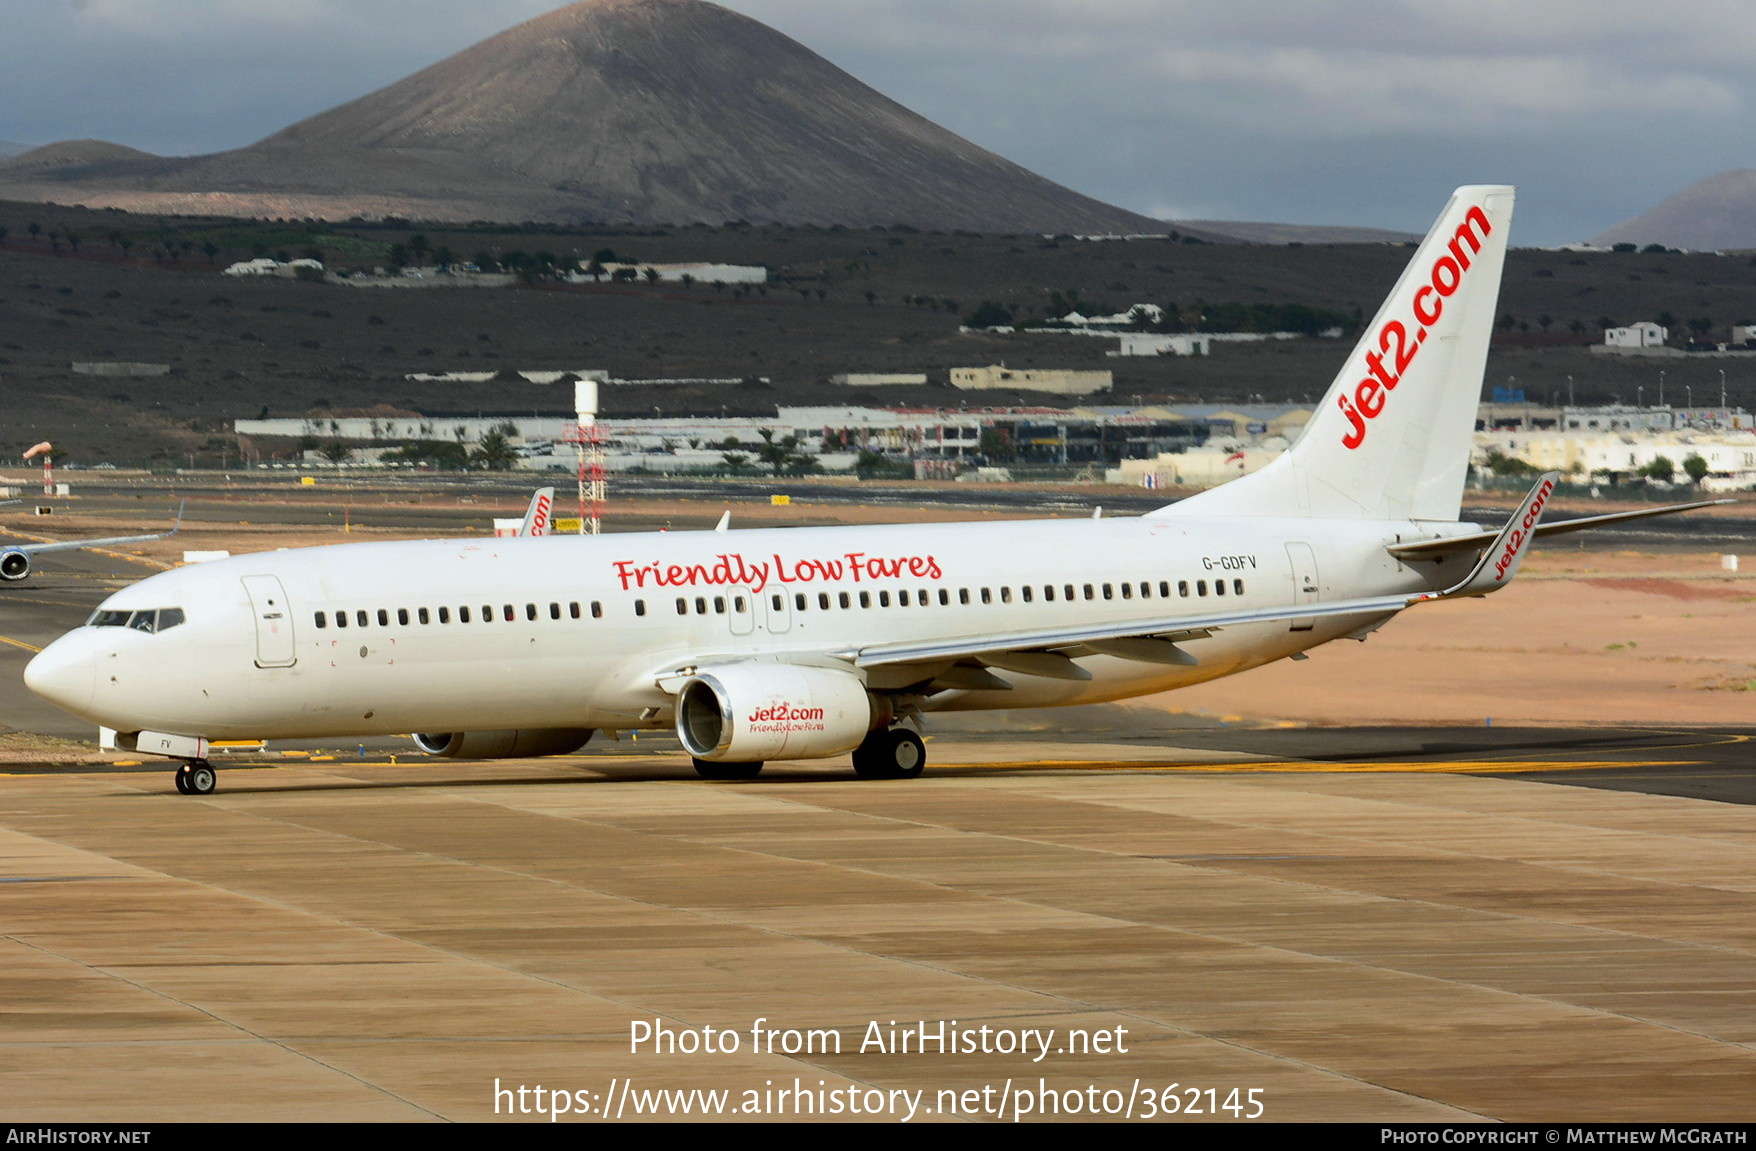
point(1433, 549)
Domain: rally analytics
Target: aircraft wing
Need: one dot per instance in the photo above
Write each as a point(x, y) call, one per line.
point(1433, 549)
point(1044, 652)
point(107, 541)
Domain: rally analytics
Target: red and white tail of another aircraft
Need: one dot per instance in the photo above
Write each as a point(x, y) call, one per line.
point(803, 643)
point(539, 517)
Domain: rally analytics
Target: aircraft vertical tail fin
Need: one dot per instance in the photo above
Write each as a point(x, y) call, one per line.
point(537, 517)
point(1391, 438)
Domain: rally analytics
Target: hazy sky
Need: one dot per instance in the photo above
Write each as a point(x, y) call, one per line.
point(1304, 111)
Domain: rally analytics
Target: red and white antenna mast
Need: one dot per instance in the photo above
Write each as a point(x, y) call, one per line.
point(587, 437)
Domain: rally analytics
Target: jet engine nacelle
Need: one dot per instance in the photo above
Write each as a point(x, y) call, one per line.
point(748, 713)
point(14, 566)
point(521, 744)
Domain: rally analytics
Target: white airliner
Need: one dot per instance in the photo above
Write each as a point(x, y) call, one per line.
point(16, 559)
point(810, 642)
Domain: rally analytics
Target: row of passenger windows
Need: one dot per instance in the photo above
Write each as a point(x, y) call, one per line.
point(824, 601)
point(924, 597)
point(488, 614)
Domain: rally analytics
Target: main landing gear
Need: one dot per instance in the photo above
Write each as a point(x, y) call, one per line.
point(196, 777)
point(890, 753)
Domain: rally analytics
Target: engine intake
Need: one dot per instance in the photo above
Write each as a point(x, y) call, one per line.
point(521, 744)
point(757, 712)
point(14, 566)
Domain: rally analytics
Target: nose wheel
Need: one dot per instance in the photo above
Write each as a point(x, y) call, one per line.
point(196, 777)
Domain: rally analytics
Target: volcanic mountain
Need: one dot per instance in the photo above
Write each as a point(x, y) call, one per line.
point(1709, 215)
point(608, 111)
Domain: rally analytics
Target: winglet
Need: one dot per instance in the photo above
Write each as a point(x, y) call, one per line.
point(725, 522)
point(1499, 562)
point(178, 526)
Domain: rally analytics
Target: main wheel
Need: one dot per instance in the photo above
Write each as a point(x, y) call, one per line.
point(181, 775)
point(200, 778)
point(893, 753)
point(714, 769)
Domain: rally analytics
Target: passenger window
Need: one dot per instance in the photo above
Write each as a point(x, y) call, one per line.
point(597, 610)
point(383, 618)
point(1049, 593)
point(322, 620)
point(682, 606)
point(1127, 590)
point(639, 607)
point(444, 615)
point(1109, 592)
point(487, 613)
point(1069, 596)
point(846, 602)
point(1237, 587)
point(823, 600)
point(1145, 591)
point(1025, 591)
point(883, 599)
point(902, 598)
point(530, 611)
point(799, 600)
point(779, 602)
point(555, 611)
point(1183, 588)
point(1164, 589)
point(700, 605)
point(509, 612)
point(962, 595)
point(1200, 587)
point(421, 614)
point(924, 597)
point(1089, 593)
point(944, 597)
point(463, 614)
point(402, 616)
point(738, 605)
point(361, 618)
point(1005, 595)
point(865, 599)
point(1219, 587)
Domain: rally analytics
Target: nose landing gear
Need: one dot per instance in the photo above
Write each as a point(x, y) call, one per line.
point(196, 777)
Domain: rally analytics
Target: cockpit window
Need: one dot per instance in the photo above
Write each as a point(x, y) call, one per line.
point(155, 620)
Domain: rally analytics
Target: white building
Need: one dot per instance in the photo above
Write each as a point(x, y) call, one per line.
point(1181, 344)
point(1730, 454)
point(1064, 381)
point(1645, 334)
point(879, 379)
point(676, 273)
point(263, 266)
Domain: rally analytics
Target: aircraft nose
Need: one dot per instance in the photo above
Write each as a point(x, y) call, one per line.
point(65, 674)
